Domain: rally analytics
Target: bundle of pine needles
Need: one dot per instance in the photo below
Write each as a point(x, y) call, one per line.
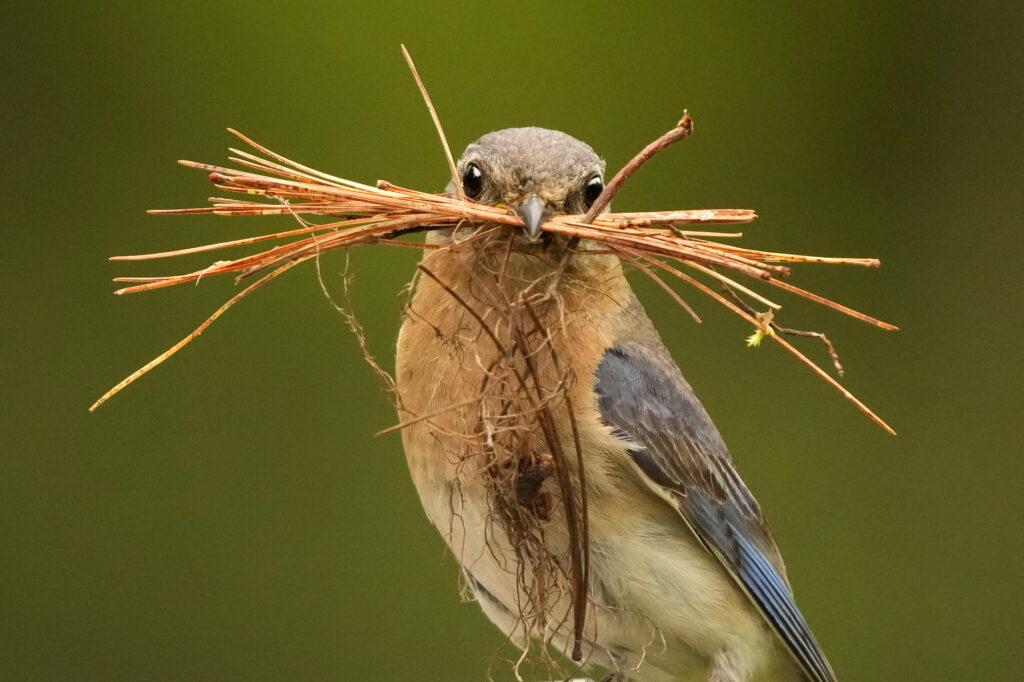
point(360, 214)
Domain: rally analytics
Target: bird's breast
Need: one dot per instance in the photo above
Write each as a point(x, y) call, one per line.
point(473, 373)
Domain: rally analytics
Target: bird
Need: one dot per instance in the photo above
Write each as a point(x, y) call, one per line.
point(506, 324)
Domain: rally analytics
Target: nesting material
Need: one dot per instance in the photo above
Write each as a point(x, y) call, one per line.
point(358, 214)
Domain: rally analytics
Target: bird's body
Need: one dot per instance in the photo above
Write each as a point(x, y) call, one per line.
point(685, 581)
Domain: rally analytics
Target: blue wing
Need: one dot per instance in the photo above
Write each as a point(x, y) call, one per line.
point(643, 395)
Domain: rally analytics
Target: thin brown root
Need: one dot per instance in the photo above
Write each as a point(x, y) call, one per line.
point(726, 289)
point(816, 335)
point(427, 417)
point(580, 588)
point(355, 326)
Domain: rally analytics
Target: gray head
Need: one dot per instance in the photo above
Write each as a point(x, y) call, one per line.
point(534, 171)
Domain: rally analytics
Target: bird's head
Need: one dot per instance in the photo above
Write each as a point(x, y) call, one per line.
point(533, 171)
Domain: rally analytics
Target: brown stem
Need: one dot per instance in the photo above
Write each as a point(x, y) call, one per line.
point(581, 589)
point(681, 131)
point(437, 122)
point(726, 289)
point(546, 422)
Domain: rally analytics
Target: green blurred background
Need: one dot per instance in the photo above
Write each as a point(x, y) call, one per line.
point(232, 516)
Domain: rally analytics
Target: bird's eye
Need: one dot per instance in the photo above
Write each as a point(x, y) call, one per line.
point(592, 190)
point(472, 181)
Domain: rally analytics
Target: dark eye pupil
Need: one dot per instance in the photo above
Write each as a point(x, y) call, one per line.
point(592, 190)
point(472, 181)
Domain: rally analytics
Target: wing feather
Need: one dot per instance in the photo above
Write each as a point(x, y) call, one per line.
point(644, 397)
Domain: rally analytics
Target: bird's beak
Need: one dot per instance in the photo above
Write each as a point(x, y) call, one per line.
point(534, 212)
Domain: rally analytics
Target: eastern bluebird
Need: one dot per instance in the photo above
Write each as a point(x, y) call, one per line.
point(685, 579)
